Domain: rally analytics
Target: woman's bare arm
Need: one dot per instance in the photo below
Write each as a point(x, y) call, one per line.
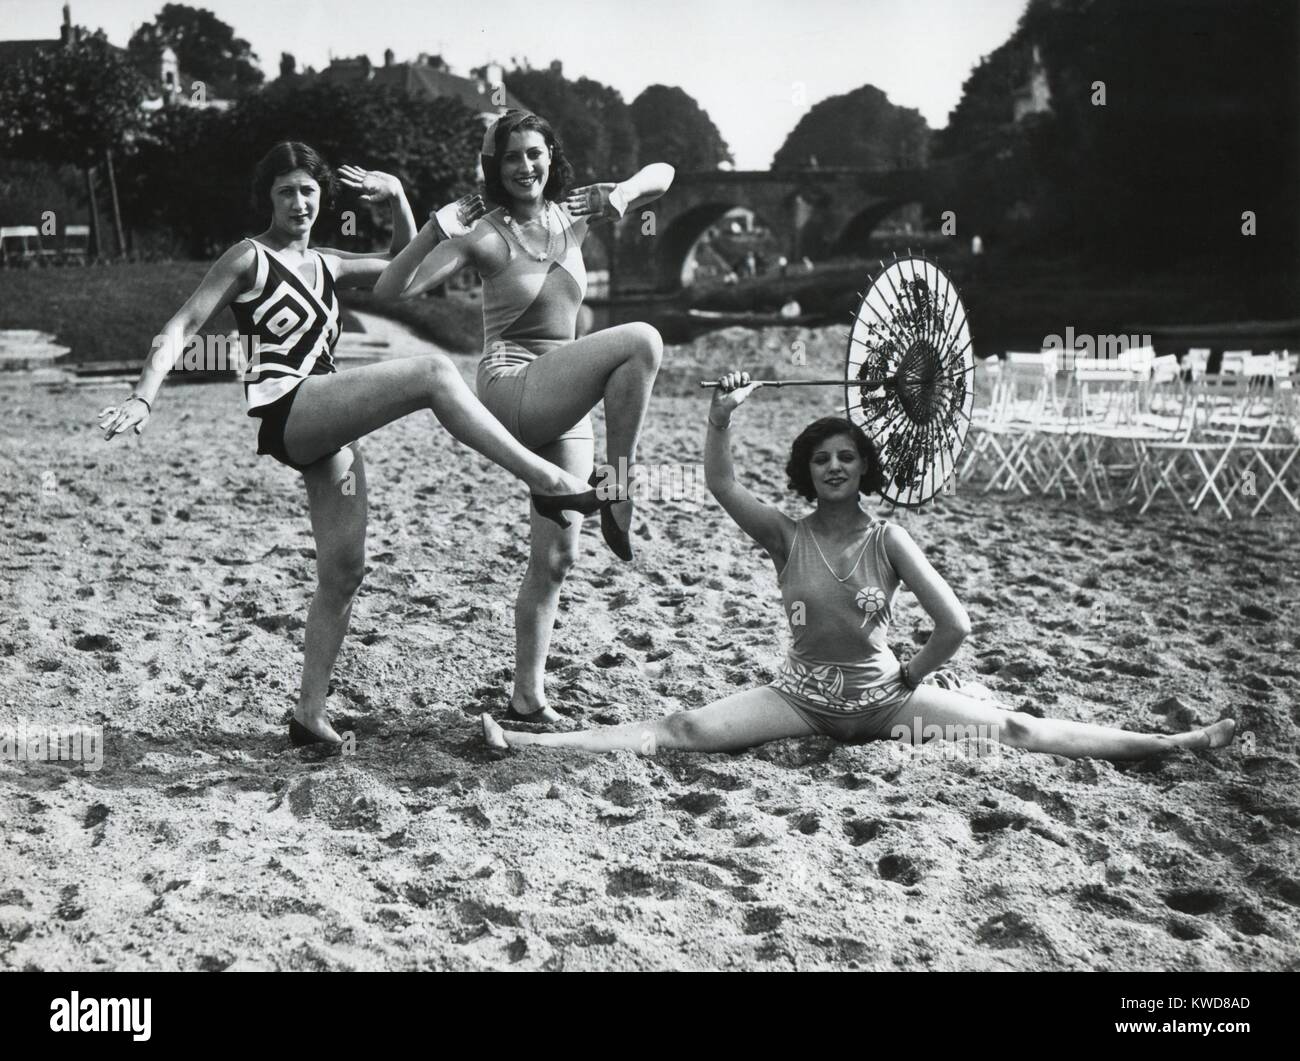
point(767, 525)
point(362, 269)
point(439, 250)
point(609, 201)
point(228, 276)
point(951, 624)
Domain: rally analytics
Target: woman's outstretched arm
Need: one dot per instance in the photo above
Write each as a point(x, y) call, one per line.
point(361, 269)
point(767, 525)
point(951, 624)
point(215, 292)
point(610, 201)
point(438, 251)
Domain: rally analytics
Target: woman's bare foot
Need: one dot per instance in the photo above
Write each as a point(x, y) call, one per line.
point(1221, 733)
point(494, 734)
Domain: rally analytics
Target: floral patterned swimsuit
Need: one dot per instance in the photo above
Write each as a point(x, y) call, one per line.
point(840, 675)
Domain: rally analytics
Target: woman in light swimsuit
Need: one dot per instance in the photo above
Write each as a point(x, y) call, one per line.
point(535, 376)
point(282, 295)
point(839, 570)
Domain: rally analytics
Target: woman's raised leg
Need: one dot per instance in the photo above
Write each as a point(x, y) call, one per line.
point(336, 495)
point(334, 410)
point(734, 723)
point(930, 706)
point(618, 366)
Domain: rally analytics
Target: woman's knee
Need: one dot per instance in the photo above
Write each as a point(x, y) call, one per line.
point(440, 372)
point(683, 730)
point(648, 344)
point(341, 575)
point(1015, 728)
point(556, 561)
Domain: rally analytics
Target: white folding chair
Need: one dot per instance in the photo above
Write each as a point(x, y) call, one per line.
point(1211, 437)
point(1196, 362)
point(1233, 362)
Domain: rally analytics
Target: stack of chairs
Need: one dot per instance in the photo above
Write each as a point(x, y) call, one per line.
point(1133, 429)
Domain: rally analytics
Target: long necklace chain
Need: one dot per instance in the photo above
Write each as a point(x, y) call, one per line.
point(519, 235)
point(837, 578)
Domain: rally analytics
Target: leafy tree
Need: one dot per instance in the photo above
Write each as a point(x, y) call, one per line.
point(206, 49)
point(673, 128)
point(193, 172)
point(859, 128)
point(73, 105)
point(1160, 133)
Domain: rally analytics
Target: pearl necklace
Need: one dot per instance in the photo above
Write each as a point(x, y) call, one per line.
point(513, 225)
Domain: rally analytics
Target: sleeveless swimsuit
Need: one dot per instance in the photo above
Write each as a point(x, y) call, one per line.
point(294, 327)
point(529, 308)
point(840, 675)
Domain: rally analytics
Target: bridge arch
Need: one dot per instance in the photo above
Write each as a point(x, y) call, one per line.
point(855, 234)
point(684, 230)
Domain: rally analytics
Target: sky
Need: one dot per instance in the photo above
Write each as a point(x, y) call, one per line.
point(756, 66)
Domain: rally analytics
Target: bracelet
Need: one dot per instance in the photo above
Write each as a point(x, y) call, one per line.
point(437, 229)
point(720, 427)
point(905, 678)
point(140, 398)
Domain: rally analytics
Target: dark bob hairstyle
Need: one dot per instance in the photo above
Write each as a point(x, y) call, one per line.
point(285, 157)
point(797, 469)
point(561, 172)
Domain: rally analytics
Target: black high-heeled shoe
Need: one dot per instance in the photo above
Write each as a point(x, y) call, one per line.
point(300, 736)
point(615, 536)
point(553, 505)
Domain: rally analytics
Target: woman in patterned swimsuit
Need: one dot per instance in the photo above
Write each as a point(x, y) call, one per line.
point(282, 295)
point(535, 376)
point(839, 570)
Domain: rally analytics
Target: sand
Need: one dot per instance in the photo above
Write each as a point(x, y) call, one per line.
point(157, 587)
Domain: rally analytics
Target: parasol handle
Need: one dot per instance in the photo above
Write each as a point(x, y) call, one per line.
point(869, 383)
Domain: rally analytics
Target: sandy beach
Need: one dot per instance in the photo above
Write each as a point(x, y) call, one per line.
point(157, 587)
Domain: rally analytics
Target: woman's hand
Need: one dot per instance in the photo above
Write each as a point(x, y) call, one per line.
point(115, 419)
point(598, 201)
point(457, 219)
point(732, 390)
point(370, 184)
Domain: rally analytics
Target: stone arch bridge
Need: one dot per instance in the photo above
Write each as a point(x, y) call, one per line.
point(813, 213)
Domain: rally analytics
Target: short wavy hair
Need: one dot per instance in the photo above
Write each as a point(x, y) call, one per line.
point(285, 157)
point(514, 121)
point(798, 470)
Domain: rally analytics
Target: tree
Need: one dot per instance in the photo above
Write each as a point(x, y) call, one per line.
point(192, 172)
point(74, 104)
point(288, 66)
point(1160, 133)
point(206, 49)
point(860, 129)
point(673, 128)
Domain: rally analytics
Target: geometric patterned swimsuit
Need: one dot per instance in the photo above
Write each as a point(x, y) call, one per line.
point(840, 675)
point(294, 327)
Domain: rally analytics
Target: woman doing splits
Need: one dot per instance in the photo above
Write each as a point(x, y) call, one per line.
point(282, 295)
point(839, 570)
point(535, 376)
